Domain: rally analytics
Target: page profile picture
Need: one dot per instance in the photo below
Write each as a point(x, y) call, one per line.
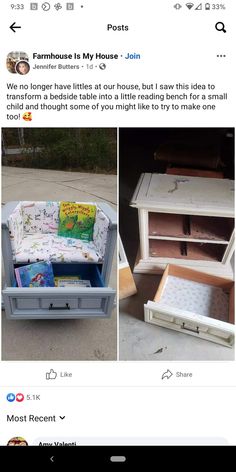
point(18, 63)
point(17, 441)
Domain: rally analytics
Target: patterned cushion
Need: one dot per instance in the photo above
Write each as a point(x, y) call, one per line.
point(15, 224)
point(33, 230)
point(34, 247)
point(37, 247)
point(100, 231)
point(72, 250)
point(40, 217)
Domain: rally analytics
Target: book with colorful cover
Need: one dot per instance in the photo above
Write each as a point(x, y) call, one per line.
point(65, 278)
point(76, 220)
point(74, 283)
point(39, 274)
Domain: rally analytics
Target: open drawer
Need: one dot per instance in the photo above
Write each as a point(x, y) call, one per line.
point(194, 303)
point(64, 302)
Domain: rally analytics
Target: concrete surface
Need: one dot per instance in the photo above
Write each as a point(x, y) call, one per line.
point(59, 340)
point(37, 184)
point(144, 341)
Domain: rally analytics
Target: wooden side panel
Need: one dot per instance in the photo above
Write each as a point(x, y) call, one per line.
point(127, 285)
point(162, 285)
point(200, 277)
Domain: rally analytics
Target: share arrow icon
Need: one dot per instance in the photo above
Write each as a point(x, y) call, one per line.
point(167, 375)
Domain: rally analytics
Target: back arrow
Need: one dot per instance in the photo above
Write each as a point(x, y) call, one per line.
point(52, 459)
point(13, 27)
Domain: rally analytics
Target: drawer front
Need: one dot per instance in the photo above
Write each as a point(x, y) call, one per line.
point(209, 329)
point(58, 303)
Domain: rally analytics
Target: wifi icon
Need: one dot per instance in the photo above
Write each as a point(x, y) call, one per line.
point(189, 5)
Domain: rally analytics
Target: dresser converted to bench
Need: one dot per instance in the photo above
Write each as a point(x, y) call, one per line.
point(29, 235)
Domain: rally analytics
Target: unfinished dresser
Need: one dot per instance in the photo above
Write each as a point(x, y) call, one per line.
point(29, 234)
point(188, 221)
point(194, 303)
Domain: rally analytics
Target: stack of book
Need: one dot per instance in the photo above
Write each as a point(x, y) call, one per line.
point(41, 274)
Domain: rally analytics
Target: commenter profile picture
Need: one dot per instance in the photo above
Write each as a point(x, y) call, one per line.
point(18, 63)
point(17, 441)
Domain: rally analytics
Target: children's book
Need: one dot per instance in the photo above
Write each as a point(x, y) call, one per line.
point(76, 220)
point(65, 278)
point(74, 283)
point(39, 274)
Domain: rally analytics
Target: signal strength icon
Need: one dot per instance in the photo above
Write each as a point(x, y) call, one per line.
point(189, 5)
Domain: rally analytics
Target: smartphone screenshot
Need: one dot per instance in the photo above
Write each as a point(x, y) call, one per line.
point(117, 228)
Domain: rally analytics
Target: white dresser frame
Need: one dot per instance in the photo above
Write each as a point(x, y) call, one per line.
point(148, 198)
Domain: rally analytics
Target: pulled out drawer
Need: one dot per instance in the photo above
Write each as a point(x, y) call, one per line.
point(194, 303)
point(64, 302)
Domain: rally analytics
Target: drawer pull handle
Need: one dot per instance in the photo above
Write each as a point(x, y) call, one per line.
point(190, 329)
point(66, 307)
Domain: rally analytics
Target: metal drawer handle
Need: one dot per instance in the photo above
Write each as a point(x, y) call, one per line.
point(66, 307)
point(190, 329)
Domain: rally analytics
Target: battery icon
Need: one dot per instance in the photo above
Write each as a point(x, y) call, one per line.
point(207, 6)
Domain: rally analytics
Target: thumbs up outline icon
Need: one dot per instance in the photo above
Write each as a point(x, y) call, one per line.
point(52, 375)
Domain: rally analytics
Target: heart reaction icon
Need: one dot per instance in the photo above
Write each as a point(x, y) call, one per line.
point(19, 397)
